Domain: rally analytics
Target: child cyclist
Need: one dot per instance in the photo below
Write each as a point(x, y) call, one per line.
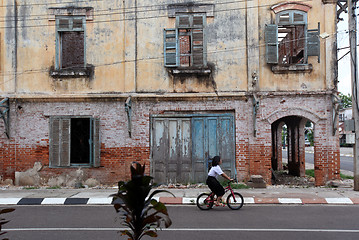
point(212, 181)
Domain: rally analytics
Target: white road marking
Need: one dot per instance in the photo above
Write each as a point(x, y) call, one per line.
point(53, 201)
point(290, 200)
point(9, 200)
point(100, 200)
point(249, 200)
point(339, 200)
point(191, 229)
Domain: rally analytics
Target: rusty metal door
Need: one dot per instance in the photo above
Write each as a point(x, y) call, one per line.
point(181, 146)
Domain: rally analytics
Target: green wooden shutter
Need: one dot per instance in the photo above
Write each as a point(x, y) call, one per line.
point(170, 47)
point(54, 142)
point(313, 42)
point(60, 142)
point(96, 144)
point(65, 143)
point(271, 40)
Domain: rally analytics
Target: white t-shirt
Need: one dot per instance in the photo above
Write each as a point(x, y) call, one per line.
point(215, 171)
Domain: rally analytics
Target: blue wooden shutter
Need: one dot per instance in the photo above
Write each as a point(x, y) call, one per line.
point(271, 40)
point(198, 41)
point(171, 47)
point(313, 42)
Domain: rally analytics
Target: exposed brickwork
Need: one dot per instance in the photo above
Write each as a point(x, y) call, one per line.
point(30, 141)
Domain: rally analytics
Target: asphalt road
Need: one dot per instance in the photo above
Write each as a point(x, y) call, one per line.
point(251, 222)
point(346, 163)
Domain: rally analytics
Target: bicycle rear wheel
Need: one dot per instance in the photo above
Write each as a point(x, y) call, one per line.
point(205, 201)
point(235, 201)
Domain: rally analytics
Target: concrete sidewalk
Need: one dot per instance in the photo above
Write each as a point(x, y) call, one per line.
point(269, 195)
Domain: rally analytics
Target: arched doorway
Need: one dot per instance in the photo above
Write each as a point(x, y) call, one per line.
point(291, 133)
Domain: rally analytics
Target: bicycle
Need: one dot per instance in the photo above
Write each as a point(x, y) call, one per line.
point(235, 201)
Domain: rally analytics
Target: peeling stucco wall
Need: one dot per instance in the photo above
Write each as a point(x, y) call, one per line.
point(121, 31)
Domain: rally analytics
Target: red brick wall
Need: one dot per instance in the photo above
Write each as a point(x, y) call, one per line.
point(29, 141)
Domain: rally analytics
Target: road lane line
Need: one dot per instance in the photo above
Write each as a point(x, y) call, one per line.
point(190, 229)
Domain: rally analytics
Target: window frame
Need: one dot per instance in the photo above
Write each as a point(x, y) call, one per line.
point(172, 49)
point(311, 43)
point(59, 30)
point(60, 142)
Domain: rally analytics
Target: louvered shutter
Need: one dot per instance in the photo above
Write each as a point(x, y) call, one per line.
point(271, 40)
point(184, 21)
point(198, 41)
point(96, 145)
point(54, 142)
point(313, 42)
point(59, 142)
point(170, 47)
point(65, 129)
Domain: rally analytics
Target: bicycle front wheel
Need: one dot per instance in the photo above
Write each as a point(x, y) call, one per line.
point(205, 201)
point(235, 201)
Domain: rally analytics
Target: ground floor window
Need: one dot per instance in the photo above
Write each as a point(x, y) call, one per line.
point(74, 141)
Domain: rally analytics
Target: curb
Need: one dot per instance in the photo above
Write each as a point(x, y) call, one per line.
point(176, 201)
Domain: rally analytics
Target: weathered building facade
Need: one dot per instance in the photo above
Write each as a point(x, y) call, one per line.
point(99, 84)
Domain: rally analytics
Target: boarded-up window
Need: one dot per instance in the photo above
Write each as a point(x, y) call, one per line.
point(70, 42)
point(185, 46)
point(74, 141)
point(72, 49)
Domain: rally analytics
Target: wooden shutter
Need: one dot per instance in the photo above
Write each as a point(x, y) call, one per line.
point(170, 47)
point(197, 48)
point(96, 143)
point(198, 41)
point(65, 130)
point(313, 42)
point(60, 142)
point(183, 21)
point(54, 142)
point(271, 40)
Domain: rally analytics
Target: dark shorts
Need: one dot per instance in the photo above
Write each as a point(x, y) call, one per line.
point(215, 186)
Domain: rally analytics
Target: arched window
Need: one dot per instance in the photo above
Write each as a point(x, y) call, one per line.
point(288, 41)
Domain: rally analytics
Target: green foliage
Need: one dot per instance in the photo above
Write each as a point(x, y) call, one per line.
point(54, 187)
point(141, 213)
point(310, 136)
point(309, 172)
point(30, 188)
point(343, 176)
point(3, 220)
point(239, 186)
point(346, 100)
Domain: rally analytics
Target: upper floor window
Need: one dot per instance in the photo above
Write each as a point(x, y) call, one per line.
point(70, 42)
point(185, 45)
point(289, 42)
